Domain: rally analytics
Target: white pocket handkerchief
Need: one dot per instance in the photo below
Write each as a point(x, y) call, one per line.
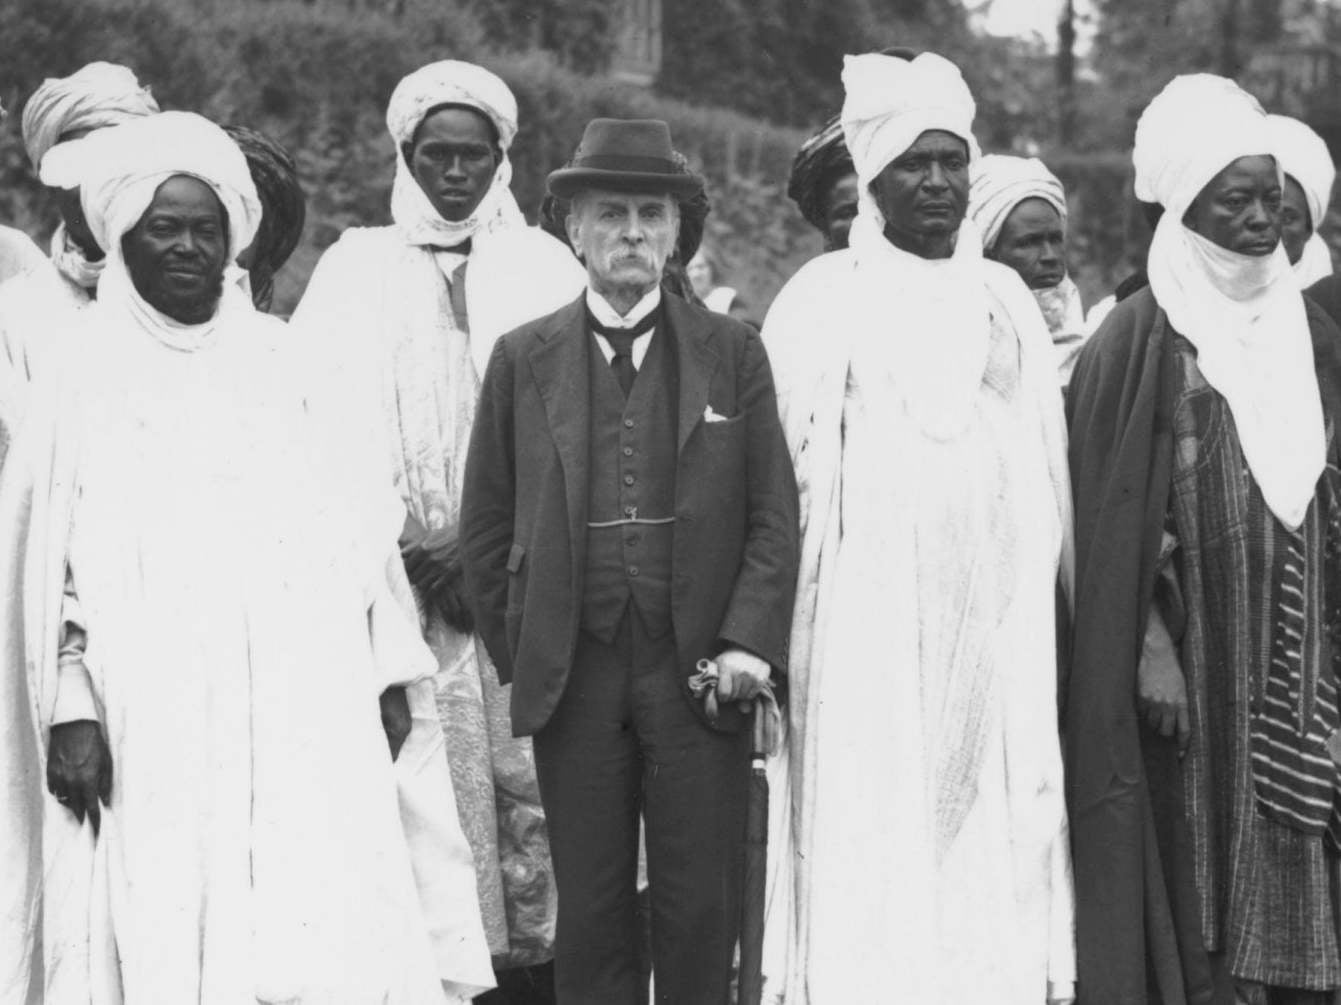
point(710, 416)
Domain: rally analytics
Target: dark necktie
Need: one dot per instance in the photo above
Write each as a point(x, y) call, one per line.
point(621, 341)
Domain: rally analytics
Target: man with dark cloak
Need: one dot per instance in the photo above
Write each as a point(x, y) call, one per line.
point(1200, 714)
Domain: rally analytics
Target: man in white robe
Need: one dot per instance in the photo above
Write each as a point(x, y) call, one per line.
point(41, 306)
point(930, 830)
point(201, 623)
point(1019, 208)
point(408, 314)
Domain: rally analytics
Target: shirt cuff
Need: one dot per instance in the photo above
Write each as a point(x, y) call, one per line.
point(74, 694)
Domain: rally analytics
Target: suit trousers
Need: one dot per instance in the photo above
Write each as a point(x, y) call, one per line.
point(624, 739)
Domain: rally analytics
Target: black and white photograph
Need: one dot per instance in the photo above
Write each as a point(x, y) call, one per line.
point(670, 502)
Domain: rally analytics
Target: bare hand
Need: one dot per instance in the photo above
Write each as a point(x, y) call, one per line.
point(79, 769)
point(396, 721)
point(433, 563)
point(741, 676)
point(1161, 690)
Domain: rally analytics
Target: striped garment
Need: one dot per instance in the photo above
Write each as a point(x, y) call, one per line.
point(1260, 785)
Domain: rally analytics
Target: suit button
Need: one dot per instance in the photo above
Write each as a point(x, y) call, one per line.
point(633, 570)
point(628, 423)
point(628, 451)
point(628, 479)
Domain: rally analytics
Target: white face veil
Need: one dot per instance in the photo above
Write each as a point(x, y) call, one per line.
point(1244, 314)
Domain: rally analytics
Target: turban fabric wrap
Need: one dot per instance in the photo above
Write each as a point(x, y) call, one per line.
point(889, 102)
point(821, 161)
point(1303, 156)
point(451, 82)
point(283, 204)
point(118, 171)
point(1243, 313)
point(1000, 183)
point(100, 94)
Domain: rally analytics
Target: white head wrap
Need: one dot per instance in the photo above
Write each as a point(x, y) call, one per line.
point(100, 94)
point(119, 170)
point(1243, 313)
point(1002, 182)
point(888, 103)
point(451, 82)
point(1304, 157)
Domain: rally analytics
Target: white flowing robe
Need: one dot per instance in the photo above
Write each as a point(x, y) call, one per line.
point(241, 622)
point(39, 310)
point(379, 310)
point(928, 812)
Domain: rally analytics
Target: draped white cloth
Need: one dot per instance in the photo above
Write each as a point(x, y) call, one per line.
point(380, 308)
point(1244, 314)
point(1304, 156)
point(18, 254)
point(39, 312)
point(243, 609)
point(928, 812)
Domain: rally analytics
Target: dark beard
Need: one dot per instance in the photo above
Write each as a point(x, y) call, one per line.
point(195, 310)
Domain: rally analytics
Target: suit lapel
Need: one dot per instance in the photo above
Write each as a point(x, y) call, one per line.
point(698, 361)
point(561, 370)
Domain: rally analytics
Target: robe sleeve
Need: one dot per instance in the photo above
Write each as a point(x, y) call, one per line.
point(74, 687)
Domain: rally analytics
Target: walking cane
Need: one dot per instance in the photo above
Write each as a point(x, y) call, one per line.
point(750, 978)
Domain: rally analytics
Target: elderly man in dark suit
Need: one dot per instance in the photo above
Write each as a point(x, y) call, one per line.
point(629, 509)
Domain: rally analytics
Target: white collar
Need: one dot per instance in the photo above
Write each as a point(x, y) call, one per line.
point(602, 311)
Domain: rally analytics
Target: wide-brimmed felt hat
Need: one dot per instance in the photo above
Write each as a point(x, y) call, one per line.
point(625, 155)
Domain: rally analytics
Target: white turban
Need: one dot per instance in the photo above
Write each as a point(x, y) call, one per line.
point(451, 82)
point(1243, 313)
point(100, 94)
point(1304, 157)
point(1000, 183)
point(1192, 130)
point(118, 171)
point(889, 102)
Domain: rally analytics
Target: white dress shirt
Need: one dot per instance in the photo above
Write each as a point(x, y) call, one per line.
point(602, 311)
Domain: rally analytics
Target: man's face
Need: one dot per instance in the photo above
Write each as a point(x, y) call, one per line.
point(1033, 243)
point(924, 191)
point(840, 209)
point(72, 212)
point(454, 158)
point(177, 252)
point(1239, 209)
point(1296, 226)
point(623, 238)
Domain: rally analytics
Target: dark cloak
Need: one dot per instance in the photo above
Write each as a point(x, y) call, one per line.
point(1138, 935)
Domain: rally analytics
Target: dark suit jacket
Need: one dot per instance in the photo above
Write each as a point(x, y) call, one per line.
point(524, 508)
